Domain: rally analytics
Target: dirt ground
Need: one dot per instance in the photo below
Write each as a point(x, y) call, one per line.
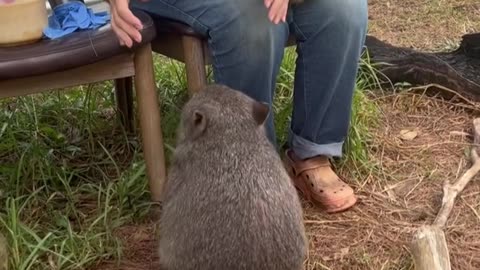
point(406, 189)
point(405, 193)
point(423, 24)
point(402, 195)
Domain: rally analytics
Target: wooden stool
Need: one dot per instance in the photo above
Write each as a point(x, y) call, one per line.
point(92, 56)
point(179, 41)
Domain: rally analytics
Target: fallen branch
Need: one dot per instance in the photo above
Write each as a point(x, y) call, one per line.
point(443, 88)
point(450, 191)
point(429, 247)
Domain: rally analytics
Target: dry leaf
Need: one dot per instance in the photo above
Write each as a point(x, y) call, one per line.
point(391, 195)
point(408, 135)
point(459, 133)
point(340, 255)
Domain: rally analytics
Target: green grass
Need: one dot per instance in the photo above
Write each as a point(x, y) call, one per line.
point(69, 175)
point(364, 119)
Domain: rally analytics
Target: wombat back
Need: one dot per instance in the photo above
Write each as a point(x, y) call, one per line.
point(229, 203)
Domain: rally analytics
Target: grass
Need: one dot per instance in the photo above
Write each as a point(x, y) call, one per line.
point(70, 176)
point(430, 25)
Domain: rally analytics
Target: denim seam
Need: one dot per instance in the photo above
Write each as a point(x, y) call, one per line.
point(299, 44)
point(298, 30)
point(218, 73)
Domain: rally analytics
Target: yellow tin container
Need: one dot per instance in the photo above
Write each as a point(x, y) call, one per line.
point(22, 21)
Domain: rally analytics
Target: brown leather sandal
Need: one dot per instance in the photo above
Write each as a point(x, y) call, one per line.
point(318, 183)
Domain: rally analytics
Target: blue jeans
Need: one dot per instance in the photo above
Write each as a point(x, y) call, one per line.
point(247, 50)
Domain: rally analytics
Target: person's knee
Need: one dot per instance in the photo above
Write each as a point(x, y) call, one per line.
point(344, 20)
point(247, 30)
point(349, 15)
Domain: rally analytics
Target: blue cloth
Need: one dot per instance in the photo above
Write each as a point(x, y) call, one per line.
point(73, 16)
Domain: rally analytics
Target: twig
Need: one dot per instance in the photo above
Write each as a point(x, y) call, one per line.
point(429, 246)
point(415, 187)
point(450, 192)
point(472, 208)
point(446, 89)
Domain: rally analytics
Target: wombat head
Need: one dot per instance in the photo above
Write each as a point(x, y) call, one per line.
point(218, 109)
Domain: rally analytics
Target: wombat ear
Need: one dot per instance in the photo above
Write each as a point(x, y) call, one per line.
point(199, 123)
point(260, 112)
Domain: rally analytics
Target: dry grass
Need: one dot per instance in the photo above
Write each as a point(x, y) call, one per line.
point(405, 189)
point(402, 194)
point(140, 249)
point(424, 24)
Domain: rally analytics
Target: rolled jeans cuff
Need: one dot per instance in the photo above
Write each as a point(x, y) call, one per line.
point(304, 148)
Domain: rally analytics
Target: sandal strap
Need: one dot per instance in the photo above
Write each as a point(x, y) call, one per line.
point(300, 167)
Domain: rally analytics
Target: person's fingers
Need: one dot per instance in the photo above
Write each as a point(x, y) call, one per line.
point(126, 14)
point(284, 13)
point(276, 10)
point(125, 25)
point(271, 15)
point(129, 29)
point(268, 3)
point(123, 37)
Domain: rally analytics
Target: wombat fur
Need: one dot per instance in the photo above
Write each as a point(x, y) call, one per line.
point(229, 203)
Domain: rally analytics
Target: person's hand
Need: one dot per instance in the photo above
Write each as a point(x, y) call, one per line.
point(125, 25)
point(277, 10)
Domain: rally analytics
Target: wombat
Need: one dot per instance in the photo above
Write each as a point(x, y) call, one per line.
point(229, 203)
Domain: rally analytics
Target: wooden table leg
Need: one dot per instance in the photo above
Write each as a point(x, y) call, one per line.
point(124, 99)
point(194, 63)
point(149, 116)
